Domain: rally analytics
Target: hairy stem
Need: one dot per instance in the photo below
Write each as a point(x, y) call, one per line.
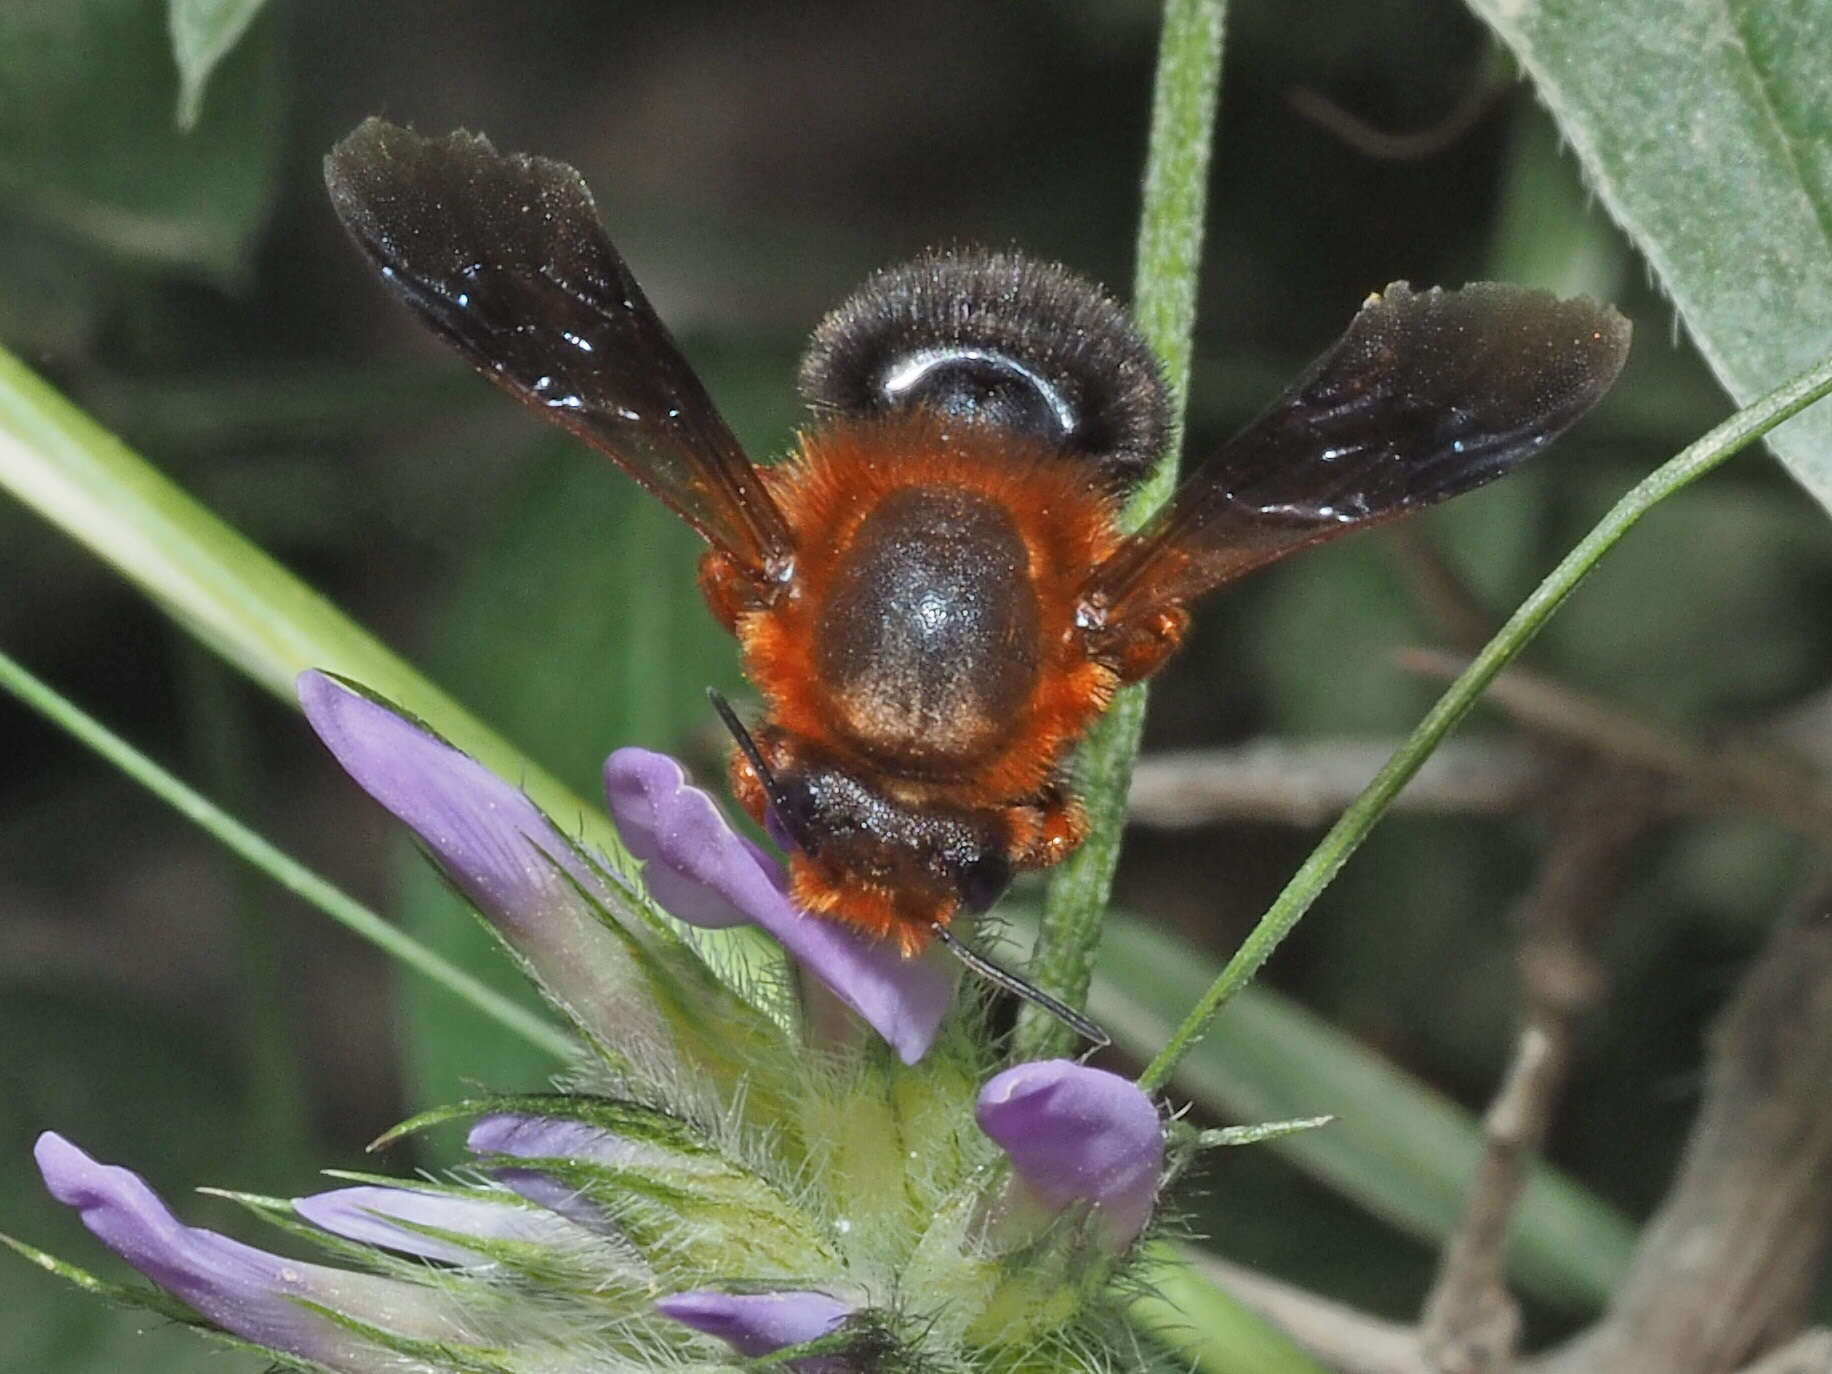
point(1164, 303)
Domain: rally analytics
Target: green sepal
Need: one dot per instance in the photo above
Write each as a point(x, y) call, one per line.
point(1046, 1285)
point(441, 1355)
point(955, 1282)
point(865, 1340)
point(159, 1303)
point(543, 1265)
point(717, 1031)
point(1222, 1136)
point(617, 1115)
point(686, 1205)
point(692, 1214)
point(1183, 1142)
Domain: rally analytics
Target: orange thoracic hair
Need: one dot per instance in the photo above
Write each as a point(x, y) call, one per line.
point(843, 474)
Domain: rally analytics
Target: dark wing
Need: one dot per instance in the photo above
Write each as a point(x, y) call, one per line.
point(505, 258)
point(1428, 394)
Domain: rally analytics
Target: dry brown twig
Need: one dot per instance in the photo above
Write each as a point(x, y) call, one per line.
point(1470, 1323)
point(1722, 1270)
point(1307, 782)
point(1735, 771)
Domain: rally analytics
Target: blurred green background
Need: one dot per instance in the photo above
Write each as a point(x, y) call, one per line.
point(754, 162)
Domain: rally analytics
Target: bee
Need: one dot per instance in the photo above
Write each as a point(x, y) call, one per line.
point(933, 595)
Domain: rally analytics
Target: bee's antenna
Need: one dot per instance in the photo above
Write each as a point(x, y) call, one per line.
point(1012, 983)
point(791, 821)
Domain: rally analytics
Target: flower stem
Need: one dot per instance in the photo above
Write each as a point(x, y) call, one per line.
point(288, 872)
point(1347, 834)
point(1164, 303)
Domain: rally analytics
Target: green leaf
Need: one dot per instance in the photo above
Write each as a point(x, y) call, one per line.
point(1705, 127)
point(1398, 1147)
point(203, 33)
point(87, 140)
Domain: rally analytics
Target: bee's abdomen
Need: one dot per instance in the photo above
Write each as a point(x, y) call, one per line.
point(928, 642)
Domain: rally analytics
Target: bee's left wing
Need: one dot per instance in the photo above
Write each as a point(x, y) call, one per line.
point(504, 257)
point(1427, 395)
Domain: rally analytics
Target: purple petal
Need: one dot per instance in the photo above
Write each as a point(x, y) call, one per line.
point(500, 851)
point(549, 1137)
point(545, 1137)
point(664, 822)
point(245, 1291)
point(373, 1215)
point(756, 1324)
point(559, 1197)
point(1078, 1135)
point(705, 873)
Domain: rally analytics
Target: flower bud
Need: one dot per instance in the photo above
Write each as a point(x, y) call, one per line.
point(1076, 1137)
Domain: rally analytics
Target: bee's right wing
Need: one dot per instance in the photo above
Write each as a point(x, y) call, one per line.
point(504, 257)
point(1427, 395)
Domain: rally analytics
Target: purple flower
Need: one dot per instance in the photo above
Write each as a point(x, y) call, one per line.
point(548, 903)
point(1077, 1136)
point(549, 1137)
point(537, 1137)
point(705, 873)
point(430, 1224)
point(757, 1324)
point(502, 853)
point(260, 1297)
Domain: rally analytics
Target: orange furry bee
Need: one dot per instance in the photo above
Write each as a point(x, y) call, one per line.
point(932, 594)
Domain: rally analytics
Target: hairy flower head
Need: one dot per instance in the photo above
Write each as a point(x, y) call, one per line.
point(729, 1173)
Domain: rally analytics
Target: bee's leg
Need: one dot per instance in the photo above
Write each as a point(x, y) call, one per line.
point(1138, 645)
point(730, 592)
point(1046, 829)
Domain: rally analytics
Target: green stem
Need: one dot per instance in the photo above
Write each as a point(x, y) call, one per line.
point(1353, 827)
point(283, 869)
point(1164, 304)
point(218, 586)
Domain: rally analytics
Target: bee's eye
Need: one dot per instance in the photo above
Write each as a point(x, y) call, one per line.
point(983, 881)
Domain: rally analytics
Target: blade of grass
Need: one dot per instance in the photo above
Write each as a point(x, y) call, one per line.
point(282, 868)
point(1705, 131)
point(241, 603)
point(214, 582)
